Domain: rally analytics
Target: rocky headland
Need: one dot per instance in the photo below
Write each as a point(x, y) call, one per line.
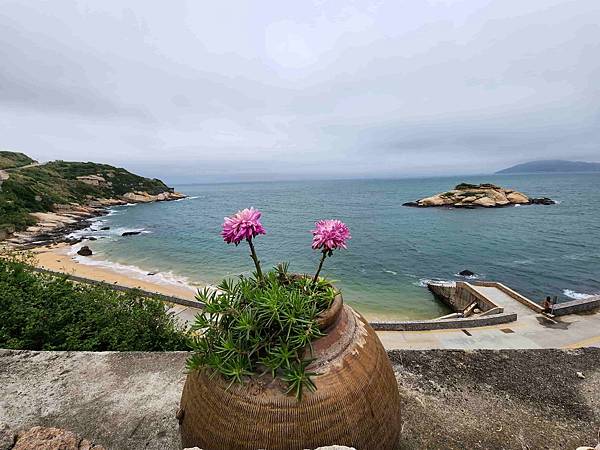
point(484, 195)
point(43, 203)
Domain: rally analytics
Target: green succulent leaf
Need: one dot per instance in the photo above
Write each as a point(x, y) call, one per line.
point(251, 328)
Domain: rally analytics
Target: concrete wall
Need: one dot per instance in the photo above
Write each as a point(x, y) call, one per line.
point(450, 399)
point(446, 324)
point(577, 306)
point(467, 295)
point(460, 295)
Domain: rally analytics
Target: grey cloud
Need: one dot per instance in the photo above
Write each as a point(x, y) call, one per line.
point(233, 90)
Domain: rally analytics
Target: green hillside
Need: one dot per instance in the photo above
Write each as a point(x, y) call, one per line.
point(38, 188)
point(13, 159)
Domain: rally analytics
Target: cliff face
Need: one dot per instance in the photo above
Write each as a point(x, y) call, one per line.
point(479, 196)
point(73, 187)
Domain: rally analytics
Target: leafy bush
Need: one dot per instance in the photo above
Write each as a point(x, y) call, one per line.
point(253, 326)
point(466, 186)
point(47, 312)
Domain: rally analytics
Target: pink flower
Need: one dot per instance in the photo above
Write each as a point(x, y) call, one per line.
point(330, 234)
point(242, 225)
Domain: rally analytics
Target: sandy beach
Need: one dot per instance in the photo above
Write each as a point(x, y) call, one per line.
point(58, 259)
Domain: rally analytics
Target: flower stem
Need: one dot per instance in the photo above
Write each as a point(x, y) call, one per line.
point(316, 277)
point(255, 259)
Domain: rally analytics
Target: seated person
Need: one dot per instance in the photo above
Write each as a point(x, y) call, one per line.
point(547, 305)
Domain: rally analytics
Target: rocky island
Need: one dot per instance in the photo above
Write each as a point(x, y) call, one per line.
point(41, 203)
point(484, 195)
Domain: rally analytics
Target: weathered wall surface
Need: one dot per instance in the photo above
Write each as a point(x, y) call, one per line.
point(119, 400)
point(507, 399)
point(510, 399)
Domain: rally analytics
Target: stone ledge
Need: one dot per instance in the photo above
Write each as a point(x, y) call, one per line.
point(511, 399)
point(445, 324)
point(577, 306)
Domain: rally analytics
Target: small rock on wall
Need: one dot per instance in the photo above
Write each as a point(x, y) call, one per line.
point(41, 438)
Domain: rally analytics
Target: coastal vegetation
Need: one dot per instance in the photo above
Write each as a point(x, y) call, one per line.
point(26, 187)
point(49, 312)
point(8, 160)
point(265, 323)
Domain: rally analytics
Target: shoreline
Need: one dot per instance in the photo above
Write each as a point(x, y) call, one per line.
point(53, 227)
point(57, 258)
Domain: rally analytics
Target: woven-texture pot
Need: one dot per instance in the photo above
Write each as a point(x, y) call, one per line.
point(356, 402)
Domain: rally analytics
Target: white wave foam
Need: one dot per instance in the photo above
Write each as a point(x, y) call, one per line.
point(468, 277)
point(187, 198)
point(113, 212)
point(523, 262)
point(390, 272)
point(576, 295)
point(423, 282)
point(162, 278)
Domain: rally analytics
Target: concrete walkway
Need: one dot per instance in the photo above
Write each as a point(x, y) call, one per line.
point(531, 330)
point(504, 300)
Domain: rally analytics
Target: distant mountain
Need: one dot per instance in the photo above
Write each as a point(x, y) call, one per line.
point(553, 166)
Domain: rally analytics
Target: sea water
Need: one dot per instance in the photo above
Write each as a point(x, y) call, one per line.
point(537, 250)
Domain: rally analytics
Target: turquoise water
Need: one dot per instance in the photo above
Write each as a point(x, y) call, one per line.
point(537, 250)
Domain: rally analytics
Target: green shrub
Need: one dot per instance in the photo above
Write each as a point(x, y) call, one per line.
point(465, 186)
point(47, 312)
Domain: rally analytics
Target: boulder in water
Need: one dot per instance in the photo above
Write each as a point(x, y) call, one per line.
point(104, 228)
point(85, 251)
point(542, 201)
point(466, 273)
point(131, 233)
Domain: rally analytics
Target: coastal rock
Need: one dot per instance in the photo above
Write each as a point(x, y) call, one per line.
point(93, 180)
point(542, 201)
point(466, 273)
point(144, 197)
point(485, 195)
point(436, 200)
point(485, 202)
point(130, 233)
point(517, 198)
point(85, 251)
point(104, 228)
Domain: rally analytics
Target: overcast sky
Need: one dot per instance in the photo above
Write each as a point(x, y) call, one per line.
point(213, 91)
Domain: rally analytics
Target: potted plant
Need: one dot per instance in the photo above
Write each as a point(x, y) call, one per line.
point(279, 362)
